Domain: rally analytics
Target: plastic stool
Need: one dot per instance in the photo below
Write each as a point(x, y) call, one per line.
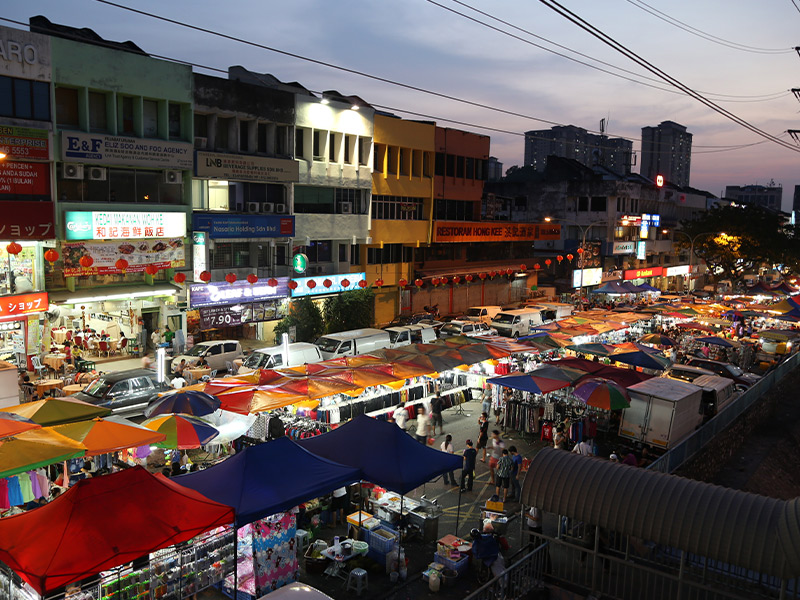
point(357, 579)
point(301, 540)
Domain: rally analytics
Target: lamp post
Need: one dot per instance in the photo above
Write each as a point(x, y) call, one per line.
point(584, 230)
point(692, 239)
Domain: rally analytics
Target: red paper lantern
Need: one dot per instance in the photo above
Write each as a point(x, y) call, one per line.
point(180, 277)
point(523, 267)
point(482, 275)
point(51, 256)
point(456, 279)
point(443, 280)
point(379, 283)
point(14, 248)
point(292, 285)
point(509, 272)
point(559, 258)
point(272, 282)
point(345, 283)
point(230, 278)
point(402, 283)
point(205, 276)
point(579, 251)
point(121, 264)
point(548, 262)
point(469, 278)
point(252, 279)
point(363, 283)
point(492, 274)
point(418, 282)
point(537, 266)
point(327, 283)
point(311, 284)
point(86, 261)
point(570, 257)
point(435, 281)
point(151, 269)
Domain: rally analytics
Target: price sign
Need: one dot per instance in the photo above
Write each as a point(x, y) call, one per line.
point(214, 317)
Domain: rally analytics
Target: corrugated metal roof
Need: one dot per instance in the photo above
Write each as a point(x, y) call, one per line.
point(739, 528)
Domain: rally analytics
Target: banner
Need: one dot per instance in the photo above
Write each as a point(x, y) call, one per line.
point(96, 148)
point(94, 225)
point(240, 167)
point(222, 293)
point(459, 231)
point(164, 253)
point(213, 317)
point(23, 304)
point(25, 179)
point(225, 226)
point(643, 273)
point(25, 143)
point(27, 221)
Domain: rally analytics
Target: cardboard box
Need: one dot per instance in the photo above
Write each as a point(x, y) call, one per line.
point(496, 506)
point(353, 519)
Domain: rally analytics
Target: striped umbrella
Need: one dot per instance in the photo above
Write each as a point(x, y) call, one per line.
point(657, 339)
point(182, 431)
point(602, 393)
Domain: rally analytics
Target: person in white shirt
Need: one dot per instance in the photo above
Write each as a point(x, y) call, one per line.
point(584, 448)
point(400, 416)
point(423, 425)
point(447, 446)
point(178, 382)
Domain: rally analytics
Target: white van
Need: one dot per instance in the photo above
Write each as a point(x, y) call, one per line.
point(299, 353)
point(518, 322)
point(485, 314)
point(718, 392)
point(351, 343)
point(410, 334)
point(555, 311)
point(217, 354)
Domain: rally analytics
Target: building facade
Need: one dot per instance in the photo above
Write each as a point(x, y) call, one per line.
point(767, 196)
point(667, 151)
point(568, 141)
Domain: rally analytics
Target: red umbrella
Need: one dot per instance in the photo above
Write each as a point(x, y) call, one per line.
point(602, 393)
point(12, 424)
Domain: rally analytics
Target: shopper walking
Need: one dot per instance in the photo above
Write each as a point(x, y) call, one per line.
point(498, 445)
point(468, 470)
point(400, 415)
point(423, 425)
point(436, 413)
point(504, 467)
point(483, 433)
point(486, 399)
point(447, 446)
point(516, 488)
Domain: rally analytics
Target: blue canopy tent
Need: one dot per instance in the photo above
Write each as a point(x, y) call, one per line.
point(269, 478)
point(612, 287)
point(630, 288)
point(646, 287)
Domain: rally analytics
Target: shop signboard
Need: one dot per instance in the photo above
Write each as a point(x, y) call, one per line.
point(25, 179)
point(99, 149)
point(97, 225)
point(460, 231)
point(163, 253)
point(226, 226)
point(222, 293)
point(586, 277)
point(611, 276)
point(623, 248)
point(27, 221)
point(23, 304)
point(304, 287)
point(641, 250)
point(241, 167)
point(24, 54)
point(198, 254)
point(214, 317)
point(679, 270)
point(642, 273)
point(25, 143)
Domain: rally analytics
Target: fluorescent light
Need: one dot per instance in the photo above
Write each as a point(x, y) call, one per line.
point(354, 107)
point(122, 296)
point(324, 101)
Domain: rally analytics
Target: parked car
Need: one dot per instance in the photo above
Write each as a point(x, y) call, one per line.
point(436, 325)
point(123, 391)
point(686, 372)
point(216, 352)
point(409, 319)
point(743, 380)
point(468, 328)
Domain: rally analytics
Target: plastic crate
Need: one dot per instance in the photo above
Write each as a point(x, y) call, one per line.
point(459, 566)
point(379, 542)
point(377, 556)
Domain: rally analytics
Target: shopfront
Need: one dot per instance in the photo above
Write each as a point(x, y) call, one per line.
point(20, 326)
point(678, 277)
point(238, 310)
point(651, 275)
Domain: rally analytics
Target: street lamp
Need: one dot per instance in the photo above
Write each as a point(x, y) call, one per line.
point(584, 230)
point(692, 239)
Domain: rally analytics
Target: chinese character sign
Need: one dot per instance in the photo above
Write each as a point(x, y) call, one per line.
point(163, 253)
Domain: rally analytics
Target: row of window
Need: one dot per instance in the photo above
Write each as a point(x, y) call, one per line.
point(462, 167)
point(105, 184)
point(229, 134)
point(400, 208)
point(331, 146)
point(393, 160)
point(24, 99)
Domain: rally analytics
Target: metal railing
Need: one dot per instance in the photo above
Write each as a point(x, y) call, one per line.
point(692, 445)
point(523, 576)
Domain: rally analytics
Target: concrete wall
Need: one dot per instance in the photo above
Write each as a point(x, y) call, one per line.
point(331, 227)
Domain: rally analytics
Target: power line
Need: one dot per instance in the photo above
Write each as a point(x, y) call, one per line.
point(706, 36)
point(609, 41)
point(795, 5)
point(723, 97)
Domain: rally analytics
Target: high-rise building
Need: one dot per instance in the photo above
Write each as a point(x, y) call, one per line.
point(667, 151)
point(769, 196)
point(568, 141)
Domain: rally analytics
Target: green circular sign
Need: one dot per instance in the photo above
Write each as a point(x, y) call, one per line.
point(299, 263)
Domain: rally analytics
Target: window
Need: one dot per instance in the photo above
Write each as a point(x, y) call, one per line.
point(598, 204)
point(281, 255)
point(125, 120)
point(66, 107)
point(298, 143)
point(150, 118)
point(390, 253)
point(348, 140)
point(261, 138)
point(391, 160)
point(25, 99)
point(355, 254)
point(404, 156)
point(98, 115)
point(460, 166)
point(454, 210)
point(319, 200)
point(121, 186)
point(356, 199)
point(139, 384)
point(230, 346)
point(450, 163)
point(342, 253)
point(332, 147)
point(201, 125)
point(426, 164)
point(319, 251)
point(363, 150)
point(282, 140)
point(470, 172)
point(583, 204)
point(119, 389)
point(244, 136)
point(397, 207)
point(215, 350)
point(317, 146)
point(230, 254)
point(175, 130)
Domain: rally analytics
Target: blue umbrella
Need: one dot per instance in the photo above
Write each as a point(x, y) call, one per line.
point(713, 339)
point(190, 402)
point(640, 358)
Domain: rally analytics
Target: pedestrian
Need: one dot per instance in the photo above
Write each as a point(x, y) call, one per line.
point(504, 467)
point(516, 488)
point(630, 459)
point(501, 402)
point(155, 337)
point(423, 425)
point(447, 446)
point(147, 362)
point(169, 335)
point(585, 447)
point(341, 501)
point(468, 470)
point(436, 413)
point(535, 520)
point(560, 439)
point(483, 433)
point(486, 399)
point(67, 352)
point(498, 445)
point(400, 415)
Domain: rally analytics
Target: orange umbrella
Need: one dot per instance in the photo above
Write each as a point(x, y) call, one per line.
point(101, 436)
point(34, 449)
point(57, 410)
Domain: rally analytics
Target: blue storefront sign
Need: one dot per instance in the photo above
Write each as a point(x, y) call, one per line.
point(220, 294)
point(339, 283)
point(224, 226)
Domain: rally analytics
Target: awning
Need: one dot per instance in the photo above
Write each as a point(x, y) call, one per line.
point(113, 292)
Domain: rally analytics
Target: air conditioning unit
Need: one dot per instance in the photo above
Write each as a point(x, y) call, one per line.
point(200, 143)
point(347, 208)
point(549, 244)
point(253, 207)
point(280, 208)
point(269, 207)
point(98, 174)
point(71, 171)
point(173, 177)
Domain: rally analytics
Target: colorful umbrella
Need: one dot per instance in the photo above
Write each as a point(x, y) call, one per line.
point(55, 411)
point(718, 341)
point(526, 383)
point(595, 349)
point(12, 424)
point(182, 431)
point(602, 393)
point(101, 436)
point(657, 339)
point(34, 449)
point(641, 358)
point(696, 326)
point(184, 402)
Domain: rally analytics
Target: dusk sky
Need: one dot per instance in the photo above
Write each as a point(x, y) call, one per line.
point(419, 43)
